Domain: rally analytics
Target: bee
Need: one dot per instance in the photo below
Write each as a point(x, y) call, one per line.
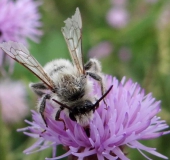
point(62, 82)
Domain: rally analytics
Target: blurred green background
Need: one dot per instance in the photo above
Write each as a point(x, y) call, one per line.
point(139, 49)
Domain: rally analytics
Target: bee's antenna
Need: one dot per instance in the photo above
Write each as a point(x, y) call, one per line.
point(97, 103)
point(63, 105)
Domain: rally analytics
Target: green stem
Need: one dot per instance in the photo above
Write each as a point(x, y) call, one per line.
point(4, 139)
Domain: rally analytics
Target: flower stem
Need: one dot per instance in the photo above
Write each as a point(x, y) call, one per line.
point(4, 139)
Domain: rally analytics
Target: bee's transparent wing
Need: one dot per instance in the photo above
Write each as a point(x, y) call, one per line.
point(72, 32)
point(19, 53)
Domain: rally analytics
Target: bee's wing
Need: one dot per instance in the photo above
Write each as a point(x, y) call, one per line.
point(19, 53)
point(72, 32)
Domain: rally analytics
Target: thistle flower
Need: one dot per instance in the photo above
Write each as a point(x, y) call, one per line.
point(19, 21)
point(117, 17)
point(12, 100)
point(130, 116)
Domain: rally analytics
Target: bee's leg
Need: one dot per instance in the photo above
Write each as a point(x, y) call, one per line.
point(88, 65)
point(57, 117)
point(42, 106)
point(93, 65)
point(93, 69)
point(38, 88)
point(98, 78)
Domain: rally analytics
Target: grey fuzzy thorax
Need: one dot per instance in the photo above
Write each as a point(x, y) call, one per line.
point(71, 88)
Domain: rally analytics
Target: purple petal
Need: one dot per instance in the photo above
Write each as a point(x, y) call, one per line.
point(100, 157)
point(85, 153)
point(119, 153)
point(35, 145)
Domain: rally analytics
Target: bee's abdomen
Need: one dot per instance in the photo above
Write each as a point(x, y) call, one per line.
point(57, 67)
point(56, 70)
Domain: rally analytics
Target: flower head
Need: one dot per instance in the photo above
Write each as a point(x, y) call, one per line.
point(130, 116)
point(19, 21)
point(12, 100)
point(117, 17)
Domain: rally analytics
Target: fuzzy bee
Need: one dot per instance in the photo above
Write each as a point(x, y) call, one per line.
point(65, 83)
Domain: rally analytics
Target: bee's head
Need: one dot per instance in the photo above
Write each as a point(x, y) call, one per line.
point(84, 109)
point(80, 109)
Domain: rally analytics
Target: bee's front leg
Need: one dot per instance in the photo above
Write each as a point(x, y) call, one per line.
point(42, 106)
point(93, 69)
point(97, 78)
point(100, 80)
point(57, 117)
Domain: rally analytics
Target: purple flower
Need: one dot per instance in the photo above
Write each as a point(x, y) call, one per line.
point(130, 117)
point(117, 17)
point(12, 101)
point(101, 50)
point(19, 21)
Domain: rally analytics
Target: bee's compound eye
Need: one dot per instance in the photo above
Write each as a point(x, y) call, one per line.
point(72, 117)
